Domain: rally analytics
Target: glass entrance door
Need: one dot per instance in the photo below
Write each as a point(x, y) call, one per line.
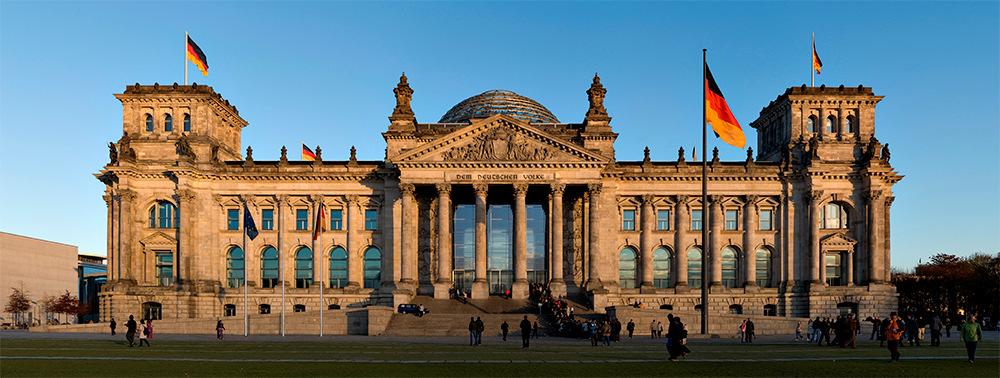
point(500, 281)
point(499, 248)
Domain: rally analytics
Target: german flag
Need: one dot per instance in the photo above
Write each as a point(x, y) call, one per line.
point(307, 154)
point(197, 57)
point(717, 113)
point(320, 225)
point(817, 64)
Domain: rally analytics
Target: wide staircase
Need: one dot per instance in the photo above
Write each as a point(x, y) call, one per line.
point(450, 317)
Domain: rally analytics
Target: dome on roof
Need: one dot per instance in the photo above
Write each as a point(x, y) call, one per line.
point(499, 101)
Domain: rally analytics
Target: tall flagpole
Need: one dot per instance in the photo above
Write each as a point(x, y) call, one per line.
point(319, 270)
point(812, 58)
point(704, 196)
point(281, 270)
point(186, 83)
point(246, 315)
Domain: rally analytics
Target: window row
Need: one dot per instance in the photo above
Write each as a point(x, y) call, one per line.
point(765, 220)
point(302, 220)
point(270, 268)
point(830, 124)
point(628, 264)
point(168, 123)
point(264, 308)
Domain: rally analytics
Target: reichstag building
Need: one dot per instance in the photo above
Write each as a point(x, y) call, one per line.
point(497, 194)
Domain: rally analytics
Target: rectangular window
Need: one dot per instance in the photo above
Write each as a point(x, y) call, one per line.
point(301, 219)
point(696, 220)
point(628, 220)
point(732, 220)
point(165, 268)
point(663, 220)
point(371, 220)
point(336, 219)
point(267, 219)
point(833, 267)
point(233, 219)
point(765, 223)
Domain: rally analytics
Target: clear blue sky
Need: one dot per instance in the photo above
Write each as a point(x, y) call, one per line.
point(322, 72)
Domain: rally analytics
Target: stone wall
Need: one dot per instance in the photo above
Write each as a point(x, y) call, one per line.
point(723, 325)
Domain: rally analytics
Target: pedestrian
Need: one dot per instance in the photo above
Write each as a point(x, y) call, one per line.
point(606, 332)
point(480, 328)
point(935, 330)
point(472, 331)
point(798, 331)
point(809, 330)
point(947, 326)
point(630, 327)
point(881, 331)
point(130, 327)
point(971, 334)
point(149, 328)
point(219, 330)
point(817, 331)
point(677, 336)
point(874, 320)
point(504, 328)
point(143, 334)
point(749, 331)
point(852, 331)
point(742, 331)
point(659, 330)
point(652, 329)
point(893, 336)
point(534, 330)
point(114, 325)
point(525, 332)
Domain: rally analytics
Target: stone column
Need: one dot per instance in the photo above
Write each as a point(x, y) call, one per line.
point(557, 284)
point(317, 245)
point(875, 259)
point(355, 252)
point(408, 236)
point(594, 251)
point(648, 219)
point(749, 239)
point(281, 225)
point(849, 258)
point(519, 289)
point(815, 267)
point(444, 281)
point(787, 220)
point(886, 261)
point(112, 259)
point(714, 234)
point(480, 288)
point(680, 242)
point(126, 252)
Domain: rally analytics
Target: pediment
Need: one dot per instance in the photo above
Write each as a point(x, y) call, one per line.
point(499, 139)
point(158, 239)
point(838, 240)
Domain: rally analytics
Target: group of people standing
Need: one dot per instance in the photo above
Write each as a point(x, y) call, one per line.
point(844, 328)
point(747, 332)
point(144, 329)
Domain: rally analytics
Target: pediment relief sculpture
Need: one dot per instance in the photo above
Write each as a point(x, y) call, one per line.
point(500, 144)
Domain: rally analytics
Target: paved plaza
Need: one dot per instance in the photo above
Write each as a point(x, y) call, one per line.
point(32, 354)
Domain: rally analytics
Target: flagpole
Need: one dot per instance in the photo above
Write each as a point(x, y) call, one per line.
point(281, 271)
point(246, 315)
point(812, 57)
point(319, 272)
point(186, 75)
point(704, 195)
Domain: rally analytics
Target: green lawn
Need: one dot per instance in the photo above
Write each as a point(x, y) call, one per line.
point(180, 356)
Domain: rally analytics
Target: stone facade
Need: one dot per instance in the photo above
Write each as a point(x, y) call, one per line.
point(799, 230)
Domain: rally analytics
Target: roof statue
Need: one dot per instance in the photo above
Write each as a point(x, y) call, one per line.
point(404, 94)
point(596, 96)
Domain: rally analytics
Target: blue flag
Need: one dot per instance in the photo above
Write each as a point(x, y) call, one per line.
point(249, 227)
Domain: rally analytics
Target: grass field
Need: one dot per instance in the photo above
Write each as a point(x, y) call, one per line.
point(197, 356)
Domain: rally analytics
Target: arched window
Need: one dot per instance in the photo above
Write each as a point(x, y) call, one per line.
point(694, 267)
point(152, 311)
point(730, 262)
point(763, 274)
point(626, 268)
point(163, 215)
point(338, 268)
point(264, 309)
point(229, 310)
point(303, 267)
point(168, 123)
point(299, 308)
point(235, 267)
point(834, 216)
point(187, 122)
point(269, 267)
point(849, 124)
point(831, 125)
point(149, 122)
point(661, 268)
point(373, 268)
point(811, 124)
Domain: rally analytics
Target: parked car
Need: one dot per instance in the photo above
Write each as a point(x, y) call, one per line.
point(410, 308)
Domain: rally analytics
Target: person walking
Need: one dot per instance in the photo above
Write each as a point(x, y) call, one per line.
point(659, 330)
point(472, 331)
point(750, 331)
point(504, 328)
point(630, 327)
point(130, 327)
point(143, 334)
point(742, 331)
point(525, 332)
point(480, 328)
point(947, 326)
point(677, 347)
point(534, 330)
point(149, 328)
point(893, 336)
point(606, 333)
point(114, 325)
point(809, 331)
point(935, 327)
point(852, 334)
point(971, 334)
point(652, 329)
point(881, 331)
point(219, 330)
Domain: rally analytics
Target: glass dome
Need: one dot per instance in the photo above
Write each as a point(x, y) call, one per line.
point(499, 101)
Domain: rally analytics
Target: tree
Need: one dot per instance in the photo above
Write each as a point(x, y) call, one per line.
point(948, 283)
point(18, 303)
